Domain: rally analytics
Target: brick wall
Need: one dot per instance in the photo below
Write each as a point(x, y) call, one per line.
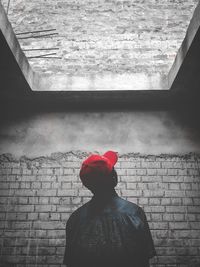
point(103, 36)
point(38, 195)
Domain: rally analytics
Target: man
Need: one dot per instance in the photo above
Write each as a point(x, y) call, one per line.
point(107, 231)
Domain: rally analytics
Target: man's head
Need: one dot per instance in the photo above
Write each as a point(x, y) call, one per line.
point(97, 172)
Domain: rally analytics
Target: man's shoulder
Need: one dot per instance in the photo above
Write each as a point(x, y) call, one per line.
point(79, 211)
point(128, 206)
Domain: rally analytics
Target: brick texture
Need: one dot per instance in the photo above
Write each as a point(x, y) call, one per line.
point(38, 195)
point(106, 36)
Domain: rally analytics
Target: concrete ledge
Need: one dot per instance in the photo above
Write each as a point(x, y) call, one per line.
point(107, 82)
point(185, 69)
point(14, 64)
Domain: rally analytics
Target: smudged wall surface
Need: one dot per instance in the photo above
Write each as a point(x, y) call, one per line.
point(139, 132)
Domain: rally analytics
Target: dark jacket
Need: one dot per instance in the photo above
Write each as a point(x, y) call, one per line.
point(108, 231)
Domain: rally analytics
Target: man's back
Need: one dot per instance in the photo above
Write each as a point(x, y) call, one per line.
point(108, 231)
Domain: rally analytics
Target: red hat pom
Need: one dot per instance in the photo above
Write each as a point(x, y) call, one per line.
point(112, 156)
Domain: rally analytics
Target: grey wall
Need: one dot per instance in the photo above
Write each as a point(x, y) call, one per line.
point(144, 132)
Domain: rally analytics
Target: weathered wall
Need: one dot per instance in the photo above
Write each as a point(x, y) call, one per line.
point(103, 36)
point(38, 191)
point(38, 195)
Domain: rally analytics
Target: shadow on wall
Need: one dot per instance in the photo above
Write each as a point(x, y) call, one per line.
point(188, 119)
point(7, 264)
